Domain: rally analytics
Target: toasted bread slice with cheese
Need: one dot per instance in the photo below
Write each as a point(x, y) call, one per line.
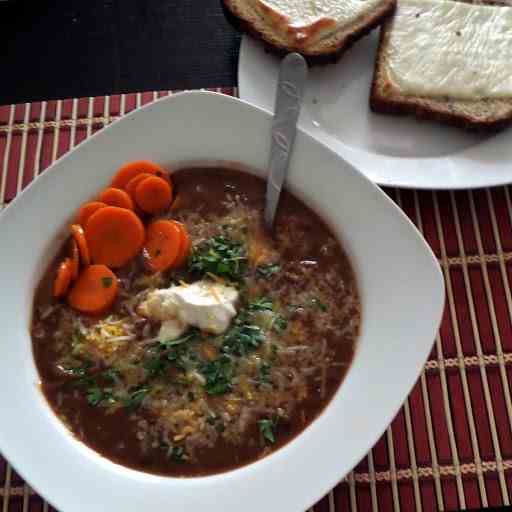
point(447, 61)
point(321, 30)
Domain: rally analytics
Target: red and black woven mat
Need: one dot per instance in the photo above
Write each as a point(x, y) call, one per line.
point(450, 446)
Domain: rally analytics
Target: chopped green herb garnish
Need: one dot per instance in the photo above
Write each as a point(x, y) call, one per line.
point(242, 338)
point(268, 429)
point(261, 304)
point(94, 395)
point(182, 357)
point(154, 363)
point(108, 396)
point(266, 271)
point(218, 375)
point(177, 453)
point(107, 282)
point(280, 324)
point(221, 256)
point(178, 354)
point(135, 398)
point(216, 422)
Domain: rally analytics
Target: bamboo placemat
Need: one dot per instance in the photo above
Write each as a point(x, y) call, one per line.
point(450, 446)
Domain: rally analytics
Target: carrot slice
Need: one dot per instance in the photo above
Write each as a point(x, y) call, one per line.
point(95, 290)
point(132, 184)
point(132, 169)
point(116, 197)
point(86, 210)
point(78, 234)
point(185, 246)
point(75, 259)
point(153, 195)
point(163, 238)
point(114, 235)
point(63, 279)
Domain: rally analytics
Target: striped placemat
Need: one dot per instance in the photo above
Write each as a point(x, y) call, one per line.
point(450, 446)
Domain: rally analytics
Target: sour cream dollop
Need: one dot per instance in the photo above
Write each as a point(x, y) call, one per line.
point(203, 304)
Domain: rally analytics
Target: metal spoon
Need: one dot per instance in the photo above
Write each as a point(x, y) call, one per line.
point(290, 88)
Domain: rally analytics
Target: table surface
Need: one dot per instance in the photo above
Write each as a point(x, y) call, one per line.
point(74, 48)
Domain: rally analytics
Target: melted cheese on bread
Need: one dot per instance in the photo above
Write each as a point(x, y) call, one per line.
point(450, 49)
point(304, 22)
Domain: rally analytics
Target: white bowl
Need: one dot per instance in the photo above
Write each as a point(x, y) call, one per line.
point(400, 283)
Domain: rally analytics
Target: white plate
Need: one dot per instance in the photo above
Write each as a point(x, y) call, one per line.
point(390, 150)
point(401, 292)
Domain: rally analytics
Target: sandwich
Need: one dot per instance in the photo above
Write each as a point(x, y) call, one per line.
point(321, 30)
point(447, 61)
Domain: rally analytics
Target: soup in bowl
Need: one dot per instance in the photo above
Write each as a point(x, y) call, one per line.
point(211, 360)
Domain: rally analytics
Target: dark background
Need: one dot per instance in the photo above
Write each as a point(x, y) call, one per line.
point(60, 49)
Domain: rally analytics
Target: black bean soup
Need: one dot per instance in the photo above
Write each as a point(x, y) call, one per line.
point(206, 401)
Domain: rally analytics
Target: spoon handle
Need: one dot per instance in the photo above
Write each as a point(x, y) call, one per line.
point(290, 88)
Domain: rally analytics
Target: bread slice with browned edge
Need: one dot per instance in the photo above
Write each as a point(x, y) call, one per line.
point(482, 114)
point(321, 30)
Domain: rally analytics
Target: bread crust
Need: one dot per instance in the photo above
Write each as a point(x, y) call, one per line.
point(328, 54)
point(483, 115)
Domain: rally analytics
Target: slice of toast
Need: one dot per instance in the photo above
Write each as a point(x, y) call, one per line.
point(478, 114)
point(321, 39)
